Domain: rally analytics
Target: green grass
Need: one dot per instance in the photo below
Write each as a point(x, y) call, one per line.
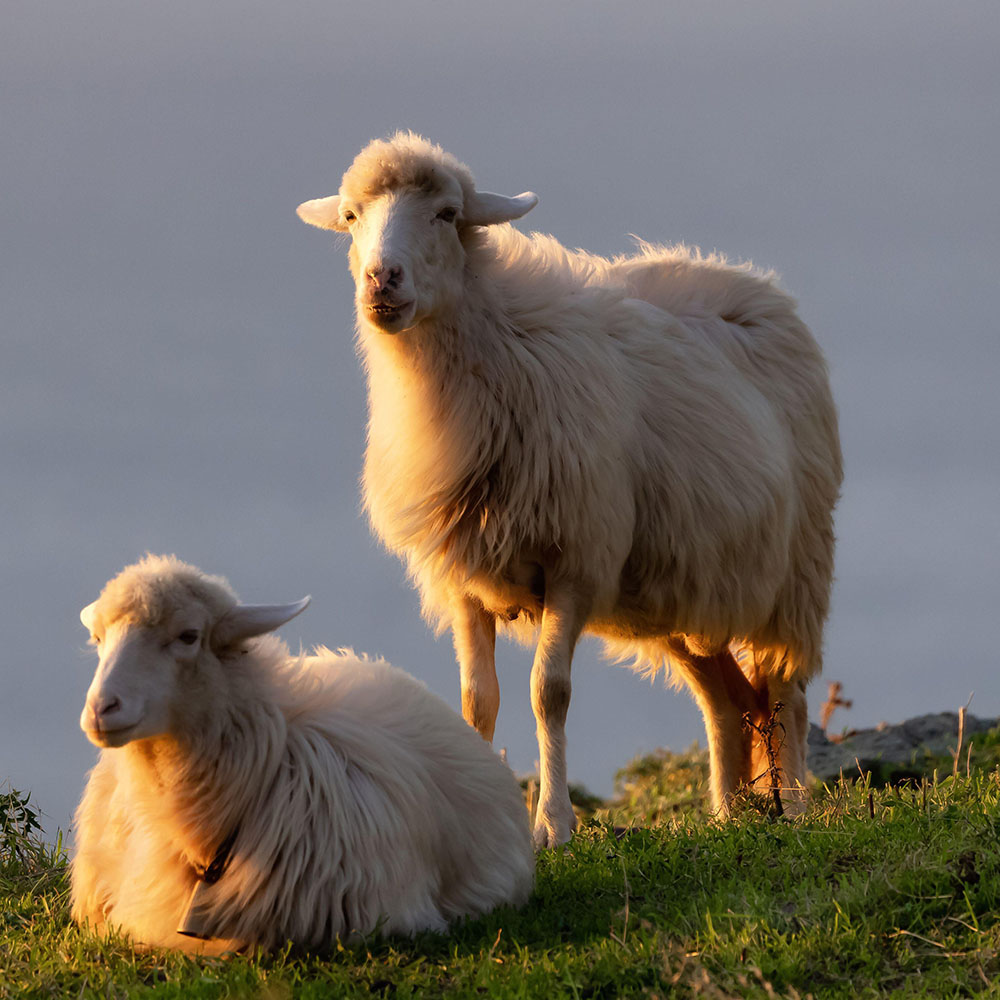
point(660, 786)
point(874, 892)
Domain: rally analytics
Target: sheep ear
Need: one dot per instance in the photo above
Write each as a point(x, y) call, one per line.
point(247, 620)
point(485, 209)
point(322, 212)
point(88, 614)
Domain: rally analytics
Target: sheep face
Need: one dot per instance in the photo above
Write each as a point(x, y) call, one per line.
point(137, 690)
point(408, 207)
point(406, 256)
point(164, 632)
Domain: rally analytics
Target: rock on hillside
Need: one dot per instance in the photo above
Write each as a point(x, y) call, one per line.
point(899, 746)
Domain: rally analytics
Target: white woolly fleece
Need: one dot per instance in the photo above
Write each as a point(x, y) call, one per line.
point(643, 448)
point(361, 801)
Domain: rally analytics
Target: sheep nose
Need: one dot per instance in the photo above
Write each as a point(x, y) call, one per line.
point(384, 277)
point(106, 706)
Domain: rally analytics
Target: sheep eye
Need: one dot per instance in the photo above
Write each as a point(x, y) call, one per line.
point(189, 637)
point(349, 216)
point(448, 214)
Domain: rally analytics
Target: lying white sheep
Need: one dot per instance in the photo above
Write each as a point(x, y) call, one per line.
point(335, 795)
point(644, 448)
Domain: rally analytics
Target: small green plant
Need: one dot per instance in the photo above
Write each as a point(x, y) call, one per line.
point(24, 852)
point(659, 786)
point(985, 753)
point(20, 828)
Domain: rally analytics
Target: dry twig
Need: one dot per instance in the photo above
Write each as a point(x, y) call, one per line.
point(765, 732)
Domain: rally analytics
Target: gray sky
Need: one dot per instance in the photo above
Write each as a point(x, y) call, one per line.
point(177, 371)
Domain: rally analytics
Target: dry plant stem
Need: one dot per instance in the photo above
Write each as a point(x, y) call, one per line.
point(765, 732)
point(833, 701)
point(961, 734)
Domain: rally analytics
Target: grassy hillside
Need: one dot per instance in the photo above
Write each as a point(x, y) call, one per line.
point(890, 891)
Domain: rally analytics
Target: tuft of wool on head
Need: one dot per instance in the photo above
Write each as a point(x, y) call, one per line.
point(153, 590)
point(404, 160)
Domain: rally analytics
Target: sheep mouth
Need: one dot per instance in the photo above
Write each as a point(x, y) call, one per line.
point(111, 737)
point(385, 309)
point(387, 316)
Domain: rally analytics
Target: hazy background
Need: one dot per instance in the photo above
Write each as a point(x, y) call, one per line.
point(177, 371)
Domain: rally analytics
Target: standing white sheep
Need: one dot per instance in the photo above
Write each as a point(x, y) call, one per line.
point(255, 797)
point(644, 448)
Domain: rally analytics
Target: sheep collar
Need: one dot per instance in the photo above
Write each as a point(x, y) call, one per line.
point(215, 869)
point(195, 922)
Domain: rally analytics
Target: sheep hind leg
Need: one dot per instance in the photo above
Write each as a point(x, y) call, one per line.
point(724, 696)
point(788, 739)
point(474, 634)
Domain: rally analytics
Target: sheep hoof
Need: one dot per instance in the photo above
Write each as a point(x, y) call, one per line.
point(552, 830)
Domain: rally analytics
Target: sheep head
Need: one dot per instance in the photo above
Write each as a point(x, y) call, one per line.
point(161, 628)
point(408, 207)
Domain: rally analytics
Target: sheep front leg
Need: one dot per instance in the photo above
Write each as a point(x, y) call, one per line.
point(474, 633)
point(562, 622)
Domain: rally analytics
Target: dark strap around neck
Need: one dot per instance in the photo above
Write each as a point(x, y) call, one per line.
point(214, 870)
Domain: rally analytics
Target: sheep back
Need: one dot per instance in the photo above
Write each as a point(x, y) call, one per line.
point(662, 422)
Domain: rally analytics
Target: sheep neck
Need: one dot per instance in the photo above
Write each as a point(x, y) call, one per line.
point(443, 428)
point(435, 425)
point(199, 782)
point(425, 383)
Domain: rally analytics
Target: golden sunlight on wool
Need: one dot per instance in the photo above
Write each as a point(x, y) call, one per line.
point(246, 797)
point(643, 448)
